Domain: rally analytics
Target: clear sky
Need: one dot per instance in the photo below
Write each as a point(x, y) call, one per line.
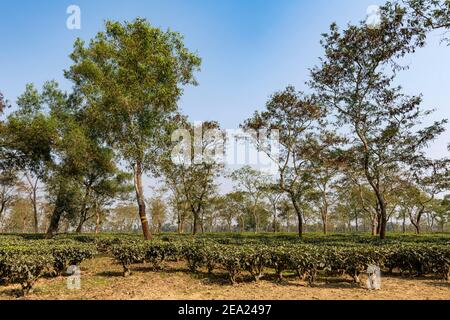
point(250, 48)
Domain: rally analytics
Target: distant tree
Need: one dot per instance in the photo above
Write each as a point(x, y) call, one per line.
point(181, 210)
point(237, 206)
point(192, 173)
point(273, 194)
point(130, 78)
point(296, 117)
point(19, 219)
point(429, 178)
point(286, 212)
point(158, 212)
point(325, 162)
point(123, 218)
point(251, 182)
point(442, 210)
point(228, 208)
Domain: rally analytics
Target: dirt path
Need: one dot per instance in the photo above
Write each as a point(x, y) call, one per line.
point(101, 279)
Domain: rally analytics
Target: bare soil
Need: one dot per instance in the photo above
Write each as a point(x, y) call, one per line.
point(101, 279)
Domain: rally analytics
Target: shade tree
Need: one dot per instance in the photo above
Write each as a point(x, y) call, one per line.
point(130, 78)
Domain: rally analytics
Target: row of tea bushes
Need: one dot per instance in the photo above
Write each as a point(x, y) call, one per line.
point(24, 263)
point(304, 259)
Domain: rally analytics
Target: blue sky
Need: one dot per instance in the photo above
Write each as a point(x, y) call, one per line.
point(250, 48)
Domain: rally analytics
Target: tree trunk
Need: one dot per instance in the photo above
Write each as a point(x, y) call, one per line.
point(324, 224)
point(54, 223)
point(196, 226)
point(416, 222)
point(383, 227)
point(80, 226)
point(374, 228)
point(35, 211)
point(179, 227)
point(97, 221)
point(324, 211)
point(33, 199)
point(202, 221)
point(299, 216)
point(141, 200)
point(255, 216)
point(404, 223)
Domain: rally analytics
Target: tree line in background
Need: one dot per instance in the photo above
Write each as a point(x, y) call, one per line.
point(352, 153)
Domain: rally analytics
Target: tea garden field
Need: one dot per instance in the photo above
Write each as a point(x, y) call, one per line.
point(223, 266)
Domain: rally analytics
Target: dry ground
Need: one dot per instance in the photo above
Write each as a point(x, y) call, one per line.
point(102, 279)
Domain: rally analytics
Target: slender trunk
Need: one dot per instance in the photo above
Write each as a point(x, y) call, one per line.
point(404, 223)
point(383, 223)
point(324, 224)
point(35, 211)
point(202, 220)
point(255, 216)
point(196, 227)
point(324, 211)
point(179, 229)
point(242, 224)
point(374, 227)
point(97, 221)
point(141, 201)
point(33, 200)
point(299, 216)
point(374, 183)
point(2, 208)
point(416, 222)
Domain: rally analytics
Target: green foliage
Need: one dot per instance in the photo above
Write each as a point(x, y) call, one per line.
point(25, 258)
point(66, 255)
point(23, 264)
point(25, 261)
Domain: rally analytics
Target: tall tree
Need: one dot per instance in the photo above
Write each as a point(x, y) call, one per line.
point(356, 81)
point(130, 78)
point(31, 134)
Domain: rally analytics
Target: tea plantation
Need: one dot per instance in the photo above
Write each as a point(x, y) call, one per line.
point(25, 258)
